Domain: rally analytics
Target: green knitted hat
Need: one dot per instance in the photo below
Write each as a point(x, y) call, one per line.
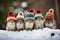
point(38, 15)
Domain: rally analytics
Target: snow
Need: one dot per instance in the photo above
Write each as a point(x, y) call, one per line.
point(40, 34)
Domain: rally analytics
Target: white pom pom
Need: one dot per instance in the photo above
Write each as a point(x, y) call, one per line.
point(24, 4)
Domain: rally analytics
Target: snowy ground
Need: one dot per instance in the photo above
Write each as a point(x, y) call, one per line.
point(44, 34)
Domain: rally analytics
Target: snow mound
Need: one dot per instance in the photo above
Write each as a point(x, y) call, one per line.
point(40, 34)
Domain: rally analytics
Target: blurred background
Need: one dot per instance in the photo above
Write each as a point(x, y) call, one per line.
point(23, 5)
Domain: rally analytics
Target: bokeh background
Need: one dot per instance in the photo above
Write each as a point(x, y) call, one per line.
point(23, 5)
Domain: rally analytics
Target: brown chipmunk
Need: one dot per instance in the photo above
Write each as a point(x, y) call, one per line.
point(49, 19)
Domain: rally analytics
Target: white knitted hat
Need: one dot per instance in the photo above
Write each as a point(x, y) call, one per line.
point(20, 16)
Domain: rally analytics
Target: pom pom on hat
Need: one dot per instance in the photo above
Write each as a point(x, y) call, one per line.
point(31, 10)
point(51, 10)
point(38, 10)
point(20, 16)
point(11, 16)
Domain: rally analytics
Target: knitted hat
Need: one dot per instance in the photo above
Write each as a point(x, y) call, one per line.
point(11, 16)
point(20, 16)
point(50, 15)
point(30, 14)
point(38, 14)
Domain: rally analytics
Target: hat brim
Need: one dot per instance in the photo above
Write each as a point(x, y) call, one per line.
point(20, 19)
point(38, 15)
point(29, 18)
point(11, 18)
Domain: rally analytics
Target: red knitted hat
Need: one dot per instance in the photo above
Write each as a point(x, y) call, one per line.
point(11, 16)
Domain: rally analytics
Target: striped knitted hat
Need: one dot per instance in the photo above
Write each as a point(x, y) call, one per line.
point(30, 14)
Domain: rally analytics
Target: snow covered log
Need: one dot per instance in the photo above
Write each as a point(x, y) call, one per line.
point(40, 34)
